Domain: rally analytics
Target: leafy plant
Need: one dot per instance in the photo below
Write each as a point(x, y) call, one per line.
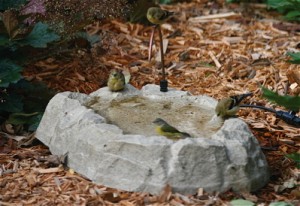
point(167, 1)
point(21, 33)
point(8, 4)
point(241, 202)
point(245, 1)
point(295, 157)
point(9, 72)
point(280, 204)
point(21, 102)
point(290, 8)
point(287, 101)
point(295, 57)
point(290, 103)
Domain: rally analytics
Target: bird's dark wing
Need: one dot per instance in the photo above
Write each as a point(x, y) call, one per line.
point(169, 128)
point(236, 100)
point(163, 15)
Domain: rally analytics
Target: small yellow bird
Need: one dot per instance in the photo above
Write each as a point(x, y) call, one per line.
point(157, 15)
point(228, 107)
point(116, 81)
point(164, 129)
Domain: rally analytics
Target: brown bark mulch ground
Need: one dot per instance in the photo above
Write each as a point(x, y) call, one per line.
point(210, 49)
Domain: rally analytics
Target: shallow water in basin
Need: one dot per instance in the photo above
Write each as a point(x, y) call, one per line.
point(134, 115)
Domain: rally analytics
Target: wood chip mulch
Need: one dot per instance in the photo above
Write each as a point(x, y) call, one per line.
point(212, 49)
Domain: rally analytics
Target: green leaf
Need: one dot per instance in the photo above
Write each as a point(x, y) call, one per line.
point(10, 102)
point(280, 204)
point(4, 40)
point(20, 118)
point(40, 36)
point(24, 103)
point(7, 4)
point(288, 7)
point(35, 95)
point(292, 16)
point(9, 72)
point(35, 121)
point(241, 202)
point(295, 57)
point(295, 157)
point(279, 5)
point(165, 1)
point(289, 102)
point(31, 120)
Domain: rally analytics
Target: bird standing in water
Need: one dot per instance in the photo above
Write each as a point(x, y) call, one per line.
point(164, 129)
point(228, 107)
point(116, 81)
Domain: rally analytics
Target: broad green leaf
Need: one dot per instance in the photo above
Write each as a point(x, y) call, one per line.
point(35, 95)
point(295, 57)
point(292, 15)
point(24, 103)
point(166, 1)
point(280, 5)
point(8, 4)
point(3, 40)
point(241, 202)
point(35, 122)
point(10, 102)
point(40, 36)
point(280, 204)
point(20, 118)
point(288, 7)
point(31, 120)
point(9, 72)
point(295, 157)
point(287, 101)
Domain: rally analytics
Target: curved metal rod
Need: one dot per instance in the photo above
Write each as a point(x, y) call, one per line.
point(151, 43)
point(162, 53)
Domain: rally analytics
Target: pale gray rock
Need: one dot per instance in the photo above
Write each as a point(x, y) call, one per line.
point(128, 154)
point(105, 93)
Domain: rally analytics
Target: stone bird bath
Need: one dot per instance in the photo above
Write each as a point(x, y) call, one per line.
point(111, 140)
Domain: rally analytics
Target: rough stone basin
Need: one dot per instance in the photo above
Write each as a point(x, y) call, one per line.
point(111, 140)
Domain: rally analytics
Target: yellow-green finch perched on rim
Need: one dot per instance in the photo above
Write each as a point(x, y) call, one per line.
point(116, 81)
point(228, 107)
point(164, 129)
point(157, 15)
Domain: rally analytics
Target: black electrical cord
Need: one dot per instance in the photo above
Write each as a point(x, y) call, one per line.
point(259, 107)
point(289, 117)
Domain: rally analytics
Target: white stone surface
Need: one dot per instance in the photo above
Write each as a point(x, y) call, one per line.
point(230, 158)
